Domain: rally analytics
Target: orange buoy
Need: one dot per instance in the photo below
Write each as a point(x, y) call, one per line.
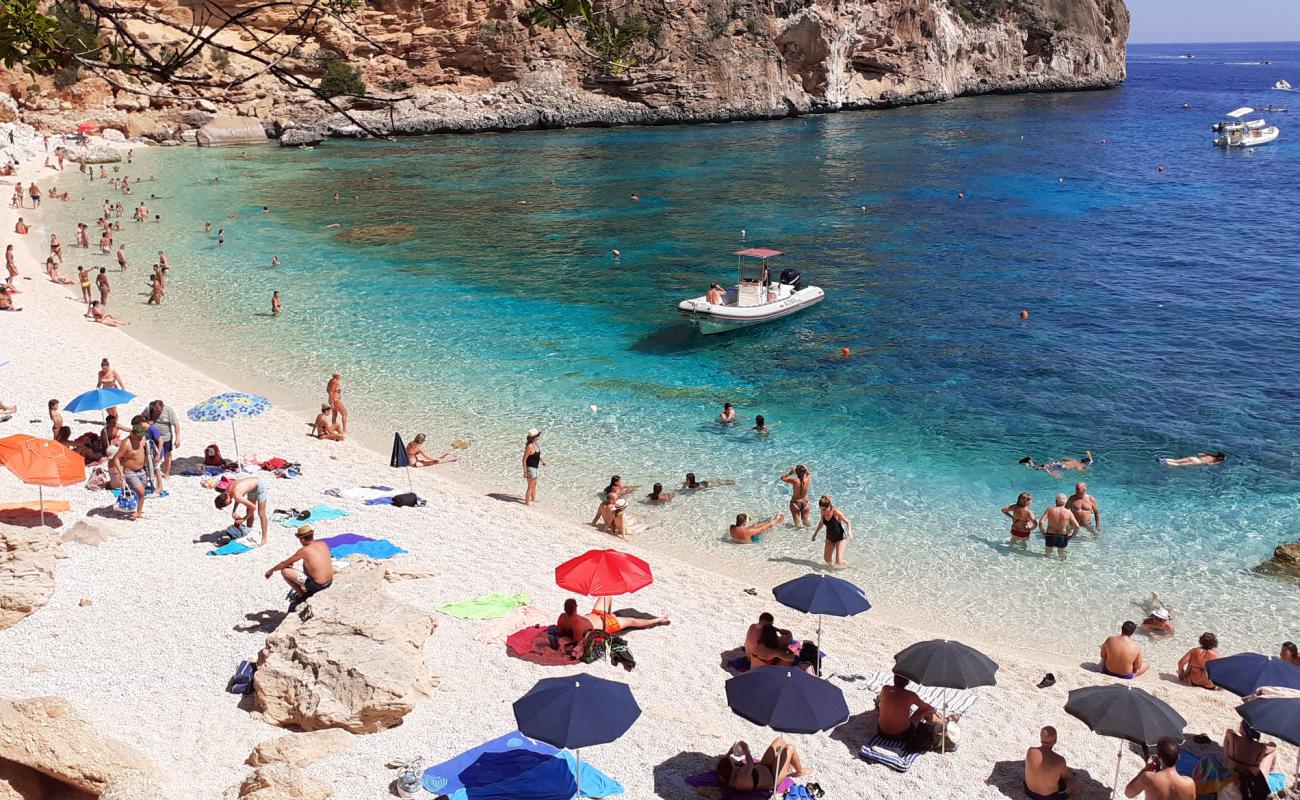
point(844, 351)
point(1024, 314)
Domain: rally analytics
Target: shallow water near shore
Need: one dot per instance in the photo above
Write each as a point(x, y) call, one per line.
point(1163, 322)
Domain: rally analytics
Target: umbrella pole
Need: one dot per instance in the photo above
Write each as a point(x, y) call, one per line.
point(943, 738)
point(235, 436)
point(40, 490)
point(1119, 758)
point(577, 772)
point(819, 645)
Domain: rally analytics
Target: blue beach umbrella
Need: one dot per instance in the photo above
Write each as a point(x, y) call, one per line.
point(820, 594)
point(1276, 716)
point(1243, 673)
point(229, 406)
point(519, 775)
point(787, 699)
point(575, 712)
point(98, 400)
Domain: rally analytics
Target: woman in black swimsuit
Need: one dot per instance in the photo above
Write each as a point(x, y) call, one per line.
point(533, 462)
point(838, 529)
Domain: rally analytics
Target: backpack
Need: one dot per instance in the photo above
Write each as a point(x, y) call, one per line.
point(405, 499)
point(593, 647)
point(212, 456)
point(242, 681)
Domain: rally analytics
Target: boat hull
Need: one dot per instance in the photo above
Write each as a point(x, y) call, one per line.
point(1252, 139)
point(720, 319)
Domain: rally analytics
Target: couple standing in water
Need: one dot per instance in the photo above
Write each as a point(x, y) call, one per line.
point(838, 528)
point(1059, 524)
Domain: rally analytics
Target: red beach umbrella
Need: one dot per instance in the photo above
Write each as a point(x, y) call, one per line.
point(86, 126)
point(603, 573)
point(41, 462)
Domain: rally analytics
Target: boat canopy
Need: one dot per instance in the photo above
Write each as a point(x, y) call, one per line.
point(758, 252)
point(1241, 112)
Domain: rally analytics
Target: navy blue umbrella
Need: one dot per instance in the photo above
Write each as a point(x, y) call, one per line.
point(399, 458)
point(787, 699)
point(820, 594)
point(1243, 673)
point(519, 775)
point(575, 712)
point(1127, 713)
point(1276, 716)
point(946, 663)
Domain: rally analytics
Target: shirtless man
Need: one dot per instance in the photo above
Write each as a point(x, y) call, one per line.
point(249, 496)
point(418, 458)
point(129, 464)
point(1085, 510)
point(1120, 657)
point(800, 480)
point(604, 516)
point(1158, 780)
point(751, 635)
point(577, 626)
point(744, 533)
point(1022, 520)
point(716, 295)
point(121, 257)
point(322, 429)
point(101, 283)
point(334, 391)
point(56, 418)
point(896, 703)
point(1046, 775)
point(728, 415)
point(1058, 526)
point(317, 567)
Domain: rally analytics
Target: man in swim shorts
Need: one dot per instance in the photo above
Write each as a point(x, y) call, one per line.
point(129, 465)
point(1046, 775)
point(317, 567)
point(249, 496)
point(1084, 507)
point(1022, 520)
point(800, 480)
point(601, 618)
point(1120, 657)
point(1058, 526)
point(744, 533)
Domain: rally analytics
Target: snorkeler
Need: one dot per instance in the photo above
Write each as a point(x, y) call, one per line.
point(1058, 466)
point(691, 483)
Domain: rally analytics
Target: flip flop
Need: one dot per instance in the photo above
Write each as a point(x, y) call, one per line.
point(1048, 680)
point(752, 592)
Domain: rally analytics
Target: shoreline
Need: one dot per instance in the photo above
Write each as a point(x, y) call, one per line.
point(164, 633)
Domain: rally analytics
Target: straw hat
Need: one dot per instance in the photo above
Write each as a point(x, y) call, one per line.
point(533, 432)
point(306, 530)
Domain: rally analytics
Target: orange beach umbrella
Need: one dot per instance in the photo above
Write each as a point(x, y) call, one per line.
point(41, 463)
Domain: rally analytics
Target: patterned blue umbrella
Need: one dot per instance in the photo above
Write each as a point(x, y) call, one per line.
point(98, 400)
point(227, 407)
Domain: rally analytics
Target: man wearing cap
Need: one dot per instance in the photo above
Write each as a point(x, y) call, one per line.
point(317, 567)
point(127, 467)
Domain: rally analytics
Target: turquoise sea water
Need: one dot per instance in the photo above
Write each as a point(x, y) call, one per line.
point(1163, 322)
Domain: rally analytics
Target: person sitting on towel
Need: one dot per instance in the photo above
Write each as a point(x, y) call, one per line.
point(577, 626)
point(317, 567)
point(1245, 753)
point(1120, 657)
point(739, 771)
point(896, 716)
point(1046, 775)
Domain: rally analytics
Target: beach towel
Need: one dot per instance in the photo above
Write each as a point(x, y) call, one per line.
point(533, 644)
point(889, 751)
point(34, 506)
point(707, 784)
point(488, 606)
point(319, 513)
point(445, 777)
point(362, 492)
point(522, 617)
point(956, 701)
point(234, 548)
point(386, 500)
point(377, 549)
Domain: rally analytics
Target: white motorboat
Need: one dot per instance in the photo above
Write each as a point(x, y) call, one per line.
point(1238, 132)
point(755, 299)
point(1283, 86)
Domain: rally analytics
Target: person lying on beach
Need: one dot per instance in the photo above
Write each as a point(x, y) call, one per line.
point(691, 483)
point(7, 301)
point(322, 429)
point(1159, 780)
point(1046, 775)
point(744, 533)
point(416, 455)
point(737, 770)
point(1022, 520)
point(1057, 466)
point(1200, 459)
point(52, 269)
point(1191, 667)
point(728, 415)
point(658, 495)
point(601, 618)
point(317, 567)
point(1120, 657)
point(249, 496)
point(897, 719)
point(800, 480)
point(101, 316)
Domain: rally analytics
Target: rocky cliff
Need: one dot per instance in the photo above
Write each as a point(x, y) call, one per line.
point(481, 64)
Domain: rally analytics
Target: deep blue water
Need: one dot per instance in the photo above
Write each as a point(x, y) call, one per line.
point(1163, 321)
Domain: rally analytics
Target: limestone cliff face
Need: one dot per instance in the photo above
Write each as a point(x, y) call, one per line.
point(478, 64)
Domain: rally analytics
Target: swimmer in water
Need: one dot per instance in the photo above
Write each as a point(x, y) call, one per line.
point(658, 495)
point(1200, 459)
point(1056, 467)
point(691, 483)
point(800, 480)
point(761, 427)
point(728, 415)
point(744, 533)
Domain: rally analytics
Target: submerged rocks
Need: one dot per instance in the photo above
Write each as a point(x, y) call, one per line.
point(352, 658)
point(27, 559)
point(296, 137)
point(231, 131)
point(1284, 563)
point(377, 234)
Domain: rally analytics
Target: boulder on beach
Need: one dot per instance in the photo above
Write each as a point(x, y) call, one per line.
point(8, 108)
point(300, 749)
point(280, 782)
point(351, 658)
point(27, 558)
point(1285, 562)
point(223, 131)
point(296, 137)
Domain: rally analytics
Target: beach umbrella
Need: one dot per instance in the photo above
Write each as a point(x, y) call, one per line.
point(229, 406)
point(820, 594)
point(41, 463)
point(603, 573)
point(576, 711)
point(518, 775)
point(947, 664)
point(1127, 713)
point(1243, 673)
point(1276, 716)
point(787, 699)
point(86, 126)
point(98, 400)
point(400, 459)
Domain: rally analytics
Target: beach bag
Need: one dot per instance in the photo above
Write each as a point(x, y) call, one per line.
point(98, 478)
point(271, 465)
point(212, 456)
point(593, 647)
point(619, 654)
point(242, 681)
point(406, 499)
point(1211, 776)
point(1254, 786)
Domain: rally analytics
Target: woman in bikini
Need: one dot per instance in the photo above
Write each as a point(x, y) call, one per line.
point(740, 772)
point(1191, 667)
point(56, 248)
point(800, 480)
point(83, 277)
point(1023, 520)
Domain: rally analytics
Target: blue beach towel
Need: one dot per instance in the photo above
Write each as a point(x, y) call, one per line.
point(386, 500)
point(319, 513)
point(445, 778)
point(231, 549)
point(377, 549)
point(888, 751)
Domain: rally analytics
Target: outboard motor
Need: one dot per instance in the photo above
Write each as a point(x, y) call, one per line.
point(791, 277)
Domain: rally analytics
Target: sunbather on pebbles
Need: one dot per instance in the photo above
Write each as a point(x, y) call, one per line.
point(601, 618)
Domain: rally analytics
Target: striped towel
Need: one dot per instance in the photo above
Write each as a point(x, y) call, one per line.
point(888, 751)
point(956, 701)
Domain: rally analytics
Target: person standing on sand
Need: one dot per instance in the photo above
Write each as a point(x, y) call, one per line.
point(275, 303)
point(1120, 657)
point(249, 496)
point(108, 379)
point(1159, 780)
point(838, 528)
point(1046, 775)
point(169, 426)
point(533, 463)
point(317, 567)
point(334, 393)
point(800, 480)
point(101, 283)
point(1022, 520)
point(1058, 526)
point(1084, 507)
point(56, 249)
point(11, 266)
point(128, 466)
point(56, 418)
point(121, 257)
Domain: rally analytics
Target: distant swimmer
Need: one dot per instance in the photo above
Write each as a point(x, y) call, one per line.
point(635, 196)
point(728, 415)
point(1200, 459)
point(275, 261)
point(1057, 466)
point(691, 483)
point(275, 303)
point(658, 495)
point(1022, 520)
point(761, 427)
point(744, 533)
point(800, 480)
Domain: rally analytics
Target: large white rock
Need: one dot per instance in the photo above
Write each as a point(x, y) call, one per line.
point(27, 559)
point(300, 749)
point(113, 135)
point(8, 108)
point(282, 782)
point(231, 131)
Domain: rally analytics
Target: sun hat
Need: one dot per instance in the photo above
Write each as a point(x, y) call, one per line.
point(305, 530)
point(620, 503)
point(533, 432)
point(1160, 613)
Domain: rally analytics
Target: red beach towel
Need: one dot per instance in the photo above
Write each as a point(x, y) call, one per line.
point(532, 644)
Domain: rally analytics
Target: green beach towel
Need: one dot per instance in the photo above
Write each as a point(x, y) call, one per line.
point(489, 606)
